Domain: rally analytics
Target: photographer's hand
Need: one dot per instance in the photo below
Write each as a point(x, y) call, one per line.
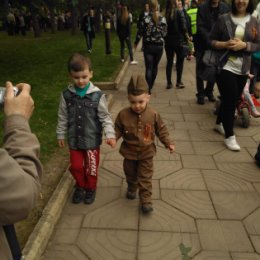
point(22, 105)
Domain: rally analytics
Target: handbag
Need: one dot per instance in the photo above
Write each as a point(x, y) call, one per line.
point(185, 50)
point(210, 60)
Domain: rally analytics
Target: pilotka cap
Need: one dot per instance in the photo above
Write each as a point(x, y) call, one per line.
point(137, 85)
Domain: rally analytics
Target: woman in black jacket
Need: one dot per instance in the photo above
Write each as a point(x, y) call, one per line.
point(124, 34)
point(174, 40)
point(152, 29)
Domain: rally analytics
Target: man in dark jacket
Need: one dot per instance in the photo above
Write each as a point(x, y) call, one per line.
point(88, 28)
point(208, 14)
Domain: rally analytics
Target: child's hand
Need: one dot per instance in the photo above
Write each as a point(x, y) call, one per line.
point(61, 143)
point(111, 142)
point(171, 148)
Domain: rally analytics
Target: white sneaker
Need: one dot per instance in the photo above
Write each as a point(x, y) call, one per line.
point(232, 144)
point(134, 62)
point(219, 128)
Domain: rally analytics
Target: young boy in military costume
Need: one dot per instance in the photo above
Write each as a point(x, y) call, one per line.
point(138, 125)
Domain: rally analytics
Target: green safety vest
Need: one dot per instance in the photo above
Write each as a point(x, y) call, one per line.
point(193, 16)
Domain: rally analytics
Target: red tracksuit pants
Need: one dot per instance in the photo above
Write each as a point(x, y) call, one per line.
point(84, 167)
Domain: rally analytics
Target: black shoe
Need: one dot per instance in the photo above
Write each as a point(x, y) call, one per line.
point(78, 195)
point(180, 85)
point(90, 196)
point(146, 208)
point(200, 100)
point(130, 195)
point(211, 97)
point(169, 86)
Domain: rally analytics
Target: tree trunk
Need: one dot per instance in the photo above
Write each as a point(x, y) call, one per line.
point(6, 6)
point(52, 17)
point(74, 18)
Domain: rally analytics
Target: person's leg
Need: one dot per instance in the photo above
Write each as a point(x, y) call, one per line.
point(122, 48)
point(209, 91)
point(77, 167)
point(77, 171)
point(148, 60)
point(169, 56)
point(91, 174)
point(145, 173)
point(87, 40)
point(130, 170)
point(130, 50)
point(230, 88)
point(199, 82)
point(90, 42)
point(157, 55)
point(179, 66)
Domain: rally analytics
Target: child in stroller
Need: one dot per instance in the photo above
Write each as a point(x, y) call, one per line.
point(247, 103)
point(253, 99)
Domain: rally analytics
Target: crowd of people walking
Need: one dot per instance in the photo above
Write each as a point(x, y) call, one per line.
point(184, 29)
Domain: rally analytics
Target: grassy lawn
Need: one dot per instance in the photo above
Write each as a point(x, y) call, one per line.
point(42, 63)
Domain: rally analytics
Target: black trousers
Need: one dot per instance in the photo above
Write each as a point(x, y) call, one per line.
point(230, 87)
point(89, 39)
point(170, 49)
point(122, 47)
point(152, 57)
point(108, 41)
point(201, 92)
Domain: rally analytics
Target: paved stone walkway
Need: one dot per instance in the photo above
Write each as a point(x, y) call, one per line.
point(206, 198)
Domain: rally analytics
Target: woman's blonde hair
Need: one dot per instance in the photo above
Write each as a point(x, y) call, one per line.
point(154, 9)
point(125, 15)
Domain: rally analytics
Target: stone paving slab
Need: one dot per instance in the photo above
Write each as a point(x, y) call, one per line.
point(220, 181)
point(194, 203)
point(234, 205)
point(223, 236)
point(205, 197)
point(212, 255)
point(165, 245)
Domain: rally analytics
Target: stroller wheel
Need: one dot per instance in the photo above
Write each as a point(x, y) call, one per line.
point(245, 117)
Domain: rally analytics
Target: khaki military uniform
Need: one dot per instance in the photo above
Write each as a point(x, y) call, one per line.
point(138, 132)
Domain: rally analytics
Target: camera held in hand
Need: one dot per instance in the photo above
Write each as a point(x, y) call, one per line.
point(2, 94)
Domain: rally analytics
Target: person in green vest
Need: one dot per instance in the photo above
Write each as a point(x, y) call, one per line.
point(192, 13)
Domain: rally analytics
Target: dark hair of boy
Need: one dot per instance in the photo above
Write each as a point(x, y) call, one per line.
point(78, 62)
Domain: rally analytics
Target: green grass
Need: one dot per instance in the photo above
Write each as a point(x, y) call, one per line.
point(41, 62)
